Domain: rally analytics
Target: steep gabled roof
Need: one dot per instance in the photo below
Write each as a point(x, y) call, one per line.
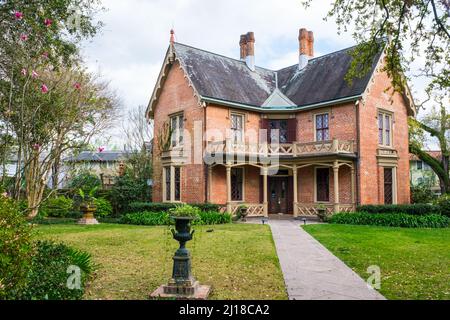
point(220, 79)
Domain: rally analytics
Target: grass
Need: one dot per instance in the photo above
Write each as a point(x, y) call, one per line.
point(414, 263)
point(238, 260)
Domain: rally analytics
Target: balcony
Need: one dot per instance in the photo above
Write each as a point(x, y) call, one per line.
point(295, 149)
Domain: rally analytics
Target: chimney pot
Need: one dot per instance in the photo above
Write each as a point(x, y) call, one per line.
point(247, 46)
point(243, 46)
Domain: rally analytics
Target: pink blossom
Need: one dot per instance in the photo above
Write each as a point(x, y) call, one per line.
point(18, 15)
point(34, 74)
point(45, 54)
point(44, 88)
point(101, 149)
point(24, 72)
point(36, 146)
point(48, 22)
point(77, 86)
point(23, 37)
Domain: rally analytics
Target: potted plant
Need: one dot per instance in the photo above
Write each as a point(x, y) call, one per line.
point(322, 212)
point(243, 210)
point(87, 207)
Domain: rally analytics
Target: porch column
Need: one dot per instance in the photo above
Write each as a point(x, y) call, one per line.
point(294, 174)
point(265, 202)
point(336, 186)
point(210, 183)
point(228, 166)
point(353, 185)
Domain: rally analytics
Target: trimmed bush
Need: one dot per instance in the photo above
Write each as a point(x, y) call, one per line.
point(104, 207)
point(412, 209)
point(444, 204)
point(163, 218)
point(146, 218)
point(160, 207)
point(59, 207)
point(422, 194)
point(48, 276)
point(15, 249)
point(391, 220)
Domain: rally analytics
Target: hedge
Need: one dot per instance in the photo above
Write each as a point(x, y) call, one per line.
point(163, 218)
point(162, 207)
point(391, 220)
point(412, 209)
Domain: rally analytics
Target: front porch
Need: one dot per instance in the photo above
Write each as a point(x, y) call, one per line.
point(299, 187)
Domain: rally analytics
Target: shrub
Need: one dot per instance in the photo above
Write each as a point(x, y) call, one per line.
point(85, 181)
point(104, 207)
point(422, 194)
point(159, 207)
point(15, 249)
point(444, 204)
point(163, 218)
point(48, 277)
point(213, 217)
point(391, 220)
point(146, 218)
point(58, 207)
point(412, 209)
point(126, 190)
point(185, 210)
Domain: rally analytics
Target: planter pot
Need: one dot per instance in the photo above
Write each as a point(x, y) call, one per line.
point(322, 214)
point(88, 214)
point(244, 213)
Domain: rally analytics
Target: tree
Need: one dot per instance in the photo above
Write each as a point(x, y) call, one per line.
point(139, 135)
point(41, 105)
point(437, 125)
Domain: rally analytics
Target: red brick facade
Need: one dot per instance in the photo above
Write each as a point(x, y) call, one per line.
point(356, 120)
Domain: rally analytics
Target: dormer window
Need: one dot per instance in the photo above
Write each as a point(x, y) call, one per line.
point(177, 126)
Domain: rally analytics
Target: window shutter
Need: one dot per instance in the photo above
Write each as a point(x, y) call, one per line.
point(264, 125)
point(292, 130)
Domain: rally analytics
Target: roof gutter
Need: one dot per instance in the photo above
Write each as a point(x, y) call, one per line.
point(282, 110)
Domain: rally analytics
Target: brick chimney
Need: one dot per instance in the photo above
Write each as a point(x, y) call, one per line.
point(306, 46)
point(247, 46)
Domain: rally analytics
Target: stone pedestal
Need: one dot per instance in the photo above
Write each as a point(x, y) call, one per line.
point(88, 216)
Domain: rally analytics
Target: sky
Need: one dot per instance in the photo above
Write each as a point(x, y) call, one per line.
point(130, 49)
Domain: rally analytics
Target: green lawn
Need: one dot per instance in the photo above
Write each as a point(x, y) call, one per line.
point(415, 263)
point(238, 260)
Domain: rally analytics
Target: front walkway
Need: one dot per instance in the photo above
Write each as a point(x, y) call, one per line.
point(310, 271)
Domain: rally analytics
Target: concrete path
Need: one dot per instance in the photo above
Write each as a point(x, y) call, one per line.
point(310, 271)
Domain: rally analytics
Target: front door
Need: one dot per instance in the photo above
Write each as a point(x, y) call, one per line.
point(278, 195)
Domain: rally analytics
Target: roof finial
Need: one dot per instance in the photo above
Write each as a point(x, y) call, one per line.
point(172, 36)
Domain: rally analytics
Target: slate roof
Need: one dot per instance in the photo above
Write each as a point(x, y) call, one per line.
point(219, 77)
point(105, 156)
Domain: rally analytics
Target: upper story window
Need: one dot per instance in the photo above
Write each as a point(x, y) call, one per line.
point(237, 128)
point(278, 131)
point(384, 129)
point(177, 126)
point(322, 127)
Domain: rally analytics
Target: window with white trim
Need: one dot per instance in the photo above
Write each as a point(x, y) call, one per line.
point(237, 127)
point(384, 129)
point(177, 126)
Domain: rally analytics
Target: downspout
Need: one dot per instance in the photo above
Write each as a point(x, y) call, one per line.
point(205, 167)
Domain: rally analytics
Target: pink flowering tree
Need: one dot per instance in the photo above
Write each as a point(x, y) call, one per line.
point(43, 114)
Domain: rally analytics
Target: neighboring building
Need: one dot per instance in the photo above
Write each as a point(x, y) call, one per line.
point(335, 145)
point(422, 174)
point(105, 164)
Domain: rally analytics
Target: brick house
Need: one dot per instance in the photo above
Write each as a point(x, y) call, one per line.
point(285, 141)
